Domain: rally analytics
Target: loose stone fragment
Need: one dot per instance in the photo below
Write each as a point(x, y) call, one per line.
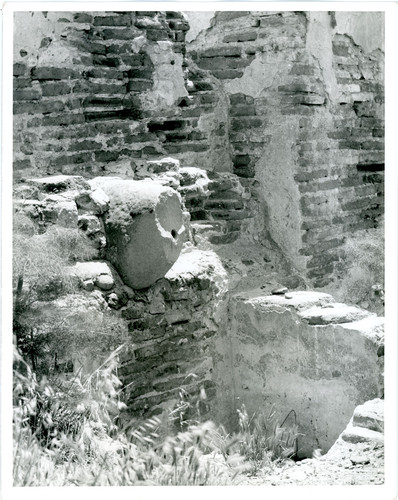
point(359, 460)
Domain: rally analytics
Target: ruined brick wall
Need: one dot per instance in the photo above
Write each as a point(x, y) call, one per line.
point(286, 101)
point(305, 119)
point(101, 92)
point(172, 328)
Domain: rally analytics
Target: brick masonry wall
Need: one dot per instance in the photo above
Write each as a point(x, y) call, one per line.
point(105, 93)
point(171, 327)
point(306, 123)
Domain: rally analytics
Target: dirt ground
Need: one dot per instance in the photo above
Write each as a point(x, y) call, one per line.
point(345, 464)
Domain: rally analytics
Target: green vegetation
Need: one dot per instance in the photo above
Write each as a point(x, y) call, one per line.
point(66, 432)
point(362, 273)
point(68, 426)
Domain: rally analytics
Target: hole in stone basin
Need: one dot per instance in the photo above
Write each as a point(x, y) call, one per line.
point(174, 233)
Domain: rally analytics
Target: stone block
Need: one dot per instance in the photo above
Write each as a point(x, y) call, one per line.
point(98, 272)
point(144, 229)
point(61, 211)
point(353, 434)
point(95, 201)
point(333, 313)
point(370, 415)
point(59, 183)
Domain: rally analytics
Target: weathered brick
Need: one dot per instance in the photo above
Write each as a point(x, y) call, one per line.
point(223, 239)
point(55, 88)
point(379, 145)
point(102, 60)
point(50, 73)
point(64, 119)
point(247, 171)
point(19, 69)
point(248, 110)
point(155, 126)
point(110, 73)
point(21, 83)
point(71, 159)
point(120, 20)
point(242, 123)
point(89, 46)
point(102, 101)
point(119, 34)
point(378, 132)
point(299, 110)
point(122, 114)
point(237, 99)
point(350, 144)
point(28, 94)
point(309, 176)
point(105, 156)
point(142, 137)
point(230, 214)
point(302, 69)
point(199, 215)
point(241, 160)
point(85, 145)
point(202, 86)
point(230, 15)
point(140, 73)
point(139, 85)
point(184, 148)
point(82, 17)
point(176, 136)
point(223, 51)
point(243, 36)
point(25, 107)
point(271, 21)
point(224, 204)
point(156, 35)
point(340, 50)
point(300, 87)
point(21, 164)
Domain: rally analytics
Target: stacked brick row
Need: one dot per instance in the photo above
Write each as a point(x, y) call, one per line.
point(341, 176)
point(218, 204)
point(171, 326)
point(337, 134)
point(84, 114)
point(243, 36)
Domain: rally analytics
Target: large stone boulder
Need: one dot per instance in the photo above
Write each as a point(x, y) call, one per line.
point(144, 229)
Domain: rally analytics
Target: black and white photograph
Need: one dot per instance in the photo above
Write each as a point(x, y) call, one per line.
point(198, 275)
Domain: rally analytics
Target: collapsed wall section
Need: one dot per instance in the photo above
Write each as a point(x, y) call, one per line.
point(98, 93)
point(302, 355)
point(170, 320)
point(305, 107)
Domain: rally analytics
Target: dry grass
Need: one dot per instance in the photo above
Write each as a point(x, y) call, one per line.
point(66, 433)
